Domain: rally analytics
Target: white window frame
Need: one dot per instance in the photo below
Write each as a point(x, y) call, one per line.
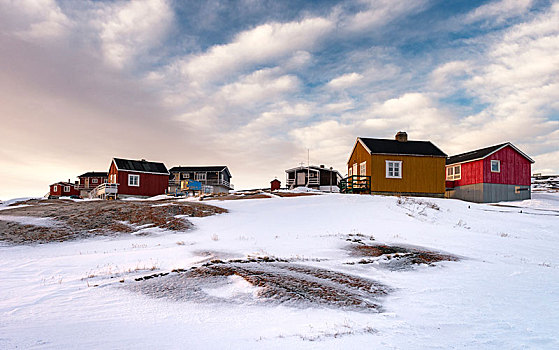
point(66, 188)
point(350, 171)
point(355, 169)
point(201, 177)
point(451, 174)
point(94, 181)
point(498, 162)
point(398, 164)
point(131, 181)
point(55, 188)
point(363, 168)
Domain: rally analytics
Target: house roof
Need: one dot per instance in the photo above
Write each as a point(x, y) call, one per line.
point(94, 174)
point(140, 166)
point(482, 153)
point(388, 146)
point(312, 167)
point(177, 169)
point(63, 183)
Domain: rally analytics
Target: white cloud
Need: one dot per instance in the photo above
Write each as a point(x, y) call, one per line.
point(345, 81)
point(34, 20)
point(259, 87)
point(128, 29)
point(261, 45)
point(498, 11)
point(380, 12)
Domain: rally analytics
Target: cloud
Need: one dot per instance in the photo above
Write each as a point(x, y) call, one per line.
point(260, 45)
point(33, 20)
point(345, 81)
point(129, 29)
point(498, 11)
point(380, 12)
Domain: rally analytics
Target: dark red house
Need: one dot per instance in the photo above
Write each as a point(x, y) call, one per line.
point(64, 189)
point(275, 185)
point(90, 180)
point(138, 178)
point(492, 174)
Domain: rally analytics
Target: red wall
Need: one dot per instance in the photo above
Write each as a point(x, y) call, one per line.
point(515, 169)
point(472, 173)
point(60, 191)
point(150, 184)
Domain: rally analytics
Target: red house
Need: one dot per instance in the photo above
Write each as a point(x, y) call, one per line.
point(90, 180)
point(492, 174)
point(138, 178)
point(63, 189)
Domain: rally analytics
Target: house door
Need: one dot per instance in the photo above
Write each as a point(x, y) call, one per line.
point(301, 179)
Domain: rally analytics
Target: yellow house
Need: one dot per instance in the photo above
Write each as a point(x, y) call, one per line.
point(396, 167)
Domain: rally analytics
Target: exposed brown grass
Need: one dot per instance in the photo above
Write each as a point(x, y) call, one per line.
point(279, 281)
point(89, 218)
point(397, 257)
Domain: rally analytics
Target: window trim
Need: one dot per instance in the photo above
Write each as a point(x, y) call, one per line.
point(66, 189)
point(201, 177)
point(94, 181)
point(498, 162)
point(363, 168)
point(453, 176)
point(399, 162)
point(55, 188)
point(131, 183)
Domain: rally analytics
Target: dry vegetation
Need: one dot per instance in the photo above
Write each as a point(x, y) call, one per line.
point(396, 257)
point(277, 281)
point(91, 218)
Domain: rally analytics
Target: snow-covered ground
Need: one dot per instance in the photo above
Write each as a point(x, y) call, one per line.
point(502, 294)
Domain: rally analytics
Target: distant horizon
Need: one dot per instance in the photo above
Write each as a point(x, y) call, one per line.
point(254, 85)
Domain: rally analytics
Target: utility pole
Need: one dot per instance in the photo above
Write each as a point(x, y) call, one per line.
point(308, 167)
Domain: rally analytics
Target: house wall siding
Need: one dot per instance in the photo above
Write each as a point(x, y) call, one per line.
point(420, 174)
point(359, 155)
point(150, 184)
point(515, 169)
point(471, 173)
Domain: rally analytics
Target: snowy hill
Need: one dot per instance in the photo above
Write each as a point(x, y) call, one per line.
point(270, 273)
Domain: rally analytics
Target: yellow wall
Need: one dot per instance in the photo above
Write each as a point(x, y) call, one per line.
point(420, 174)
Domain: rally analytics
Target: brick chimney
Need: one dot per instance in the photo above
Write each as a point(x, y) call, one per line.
point(401, 136)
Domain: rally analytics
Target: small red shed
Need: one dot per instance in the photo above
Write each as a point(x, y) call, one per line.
point(275, 185)
point(138, 178)
point(64, 189)
point(492, 174)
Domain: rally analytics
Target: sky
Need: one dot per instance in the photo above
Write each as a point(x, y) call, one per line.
point(255, 84)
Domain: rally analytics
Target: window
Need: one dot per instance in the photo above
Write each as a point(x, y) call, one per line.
point(94, 181)
point(350, 172)
point(134, 180)
point(495, 166)
point(186, 176)
point(453, 172)
point(363, 168)
point(201, 176)
point(354, 169)
point(55, 188)
point(66, 188)
point(394, 169)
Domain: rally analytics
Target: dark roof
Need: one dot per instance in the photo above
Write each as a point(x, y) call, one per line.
point(482, 153)
point(64, 183)
point(94, 174)
point(141, 166)
point(315, 167)
point(177, 169)
point(387, 146)
point(477, 154)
